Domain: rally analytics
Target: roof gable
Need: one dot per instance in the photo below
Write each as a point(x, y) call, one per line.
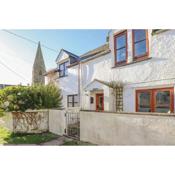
point(94, 85)
point(62, 56)
point(95, 52)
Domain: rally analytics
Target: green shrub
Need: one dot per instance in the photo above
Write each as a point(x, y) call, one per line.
point(20, 98)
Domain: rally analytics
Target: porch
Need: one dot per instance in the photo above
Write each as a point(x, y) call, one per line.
point(101, 96)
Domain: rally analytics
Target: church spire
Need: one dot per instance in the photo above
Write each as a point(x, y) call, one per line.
point(38, 67)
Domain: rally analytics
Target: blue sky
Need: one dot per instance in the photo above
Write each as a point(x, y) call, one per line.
point(19, 54)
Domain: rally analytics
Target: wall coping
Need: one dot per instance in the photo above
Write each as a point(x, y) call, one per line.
point(35, 110)
point(133, 113)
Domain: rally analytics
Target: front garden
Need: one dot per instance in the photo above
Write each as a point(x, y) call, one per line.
point(25, 116)
point(22, 104)
point(9, 138)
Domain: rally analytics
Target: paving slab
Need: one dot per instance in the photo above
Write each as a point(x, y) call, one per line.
point(56, 142)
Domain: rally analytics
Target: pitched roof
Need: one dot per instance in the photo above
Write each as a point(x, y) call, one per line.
point(96, 52)
point(71, 54)
point(157, 31)
point(50, 71)
point(74, 58)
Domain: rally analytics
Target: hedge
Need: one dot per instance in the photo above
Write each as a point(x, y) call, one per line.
point(21, 98)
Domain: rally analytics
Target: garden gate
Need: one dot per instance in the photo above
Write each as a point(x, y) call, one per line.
point(72, 124)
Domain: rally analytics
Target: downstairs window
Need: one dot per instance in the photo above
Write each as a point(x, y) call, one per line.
point(72, 100)
point(155, 100)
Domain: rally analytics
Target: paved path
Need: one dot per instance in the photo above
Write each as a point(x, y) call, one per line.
point(56, 142)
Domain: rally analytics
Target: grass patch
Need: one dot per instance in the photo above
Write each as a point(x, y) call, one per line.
point(76, 143)
point(7, 137)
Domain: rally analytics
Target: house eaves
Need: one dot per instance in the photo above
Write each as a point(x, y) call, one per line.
point(95, 53)
point(54, 70)
point(158, 31)
point(72, 56)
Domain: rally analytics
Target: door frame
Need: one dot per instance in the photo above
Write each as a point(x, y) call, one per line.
point(97, 99)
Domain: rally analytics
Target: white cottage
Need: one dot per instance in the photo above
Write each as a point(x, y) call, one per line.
point(143, 60)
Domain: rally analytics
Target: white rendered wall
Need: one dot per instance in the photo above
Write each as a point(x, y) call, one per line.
point(57, 121)
point(104, 128)
point(159, 71)
point(69, 84)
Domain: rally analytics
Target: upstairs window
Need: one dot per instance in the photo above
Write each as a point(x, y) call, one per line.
point(63, 69)
point(140, 43)
point(120, 47)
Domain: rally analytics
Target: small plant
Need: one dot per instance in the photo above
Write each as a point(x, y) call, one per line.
point(20, 98)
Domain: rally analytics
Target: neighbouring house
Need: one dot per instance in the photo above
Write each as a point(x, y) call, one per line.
point(51, 76)
point(39, 69)
point(141, 60)
point(69, 78)
point(2, 86)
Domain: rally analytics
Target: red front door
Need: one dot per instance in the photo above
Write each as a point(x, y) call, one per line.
point(99, 102)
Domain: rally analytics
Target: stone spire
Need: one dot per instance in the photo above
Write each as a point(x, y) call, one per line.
point(38, 67)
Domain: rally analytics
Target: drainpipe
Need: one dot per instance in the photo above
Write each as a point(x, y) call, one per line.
point(79, 77)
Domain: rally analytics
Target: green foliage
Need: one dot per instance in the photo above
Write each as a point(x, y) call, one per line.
point(20, 98)
point(115, 84)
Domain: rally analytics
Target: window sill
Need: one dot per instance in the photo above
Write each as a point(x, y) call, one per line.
point(133, 62)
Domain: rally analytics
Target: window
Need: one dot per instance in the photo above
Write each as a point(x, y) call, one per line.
point(144, 101)
point(162, 101)
point(91, 100)
point(155, 100)
point(72, 101)
point(63, 69)
point(120, 47)
point(140, 43)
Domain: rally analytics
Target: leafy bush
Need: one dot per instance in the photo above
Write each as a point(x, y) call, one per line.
point(20, 98)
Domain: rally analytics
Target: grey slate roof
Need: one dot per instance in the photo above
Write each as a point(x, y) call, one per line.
point(54, 70)
point(71, 54)
point(157, 31)
point(99, 51)
point(73, 58)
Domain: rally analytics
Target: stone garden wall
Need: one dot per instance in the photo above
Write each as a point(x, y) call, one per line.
point(57, 122)
point(36, 121)
point(27, 122)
